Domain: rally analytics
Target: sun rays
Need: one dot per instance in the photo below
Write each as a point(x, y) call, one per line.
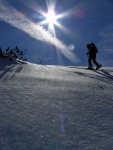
point(51, 17)
point(51, 20)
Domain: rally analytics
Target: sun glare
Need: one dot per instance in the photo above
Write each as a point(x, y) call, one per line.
point(51, 17)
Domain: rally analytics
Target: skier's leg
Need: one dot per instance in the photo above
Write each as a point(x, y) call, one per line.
point(95, 62)
point(89, 62)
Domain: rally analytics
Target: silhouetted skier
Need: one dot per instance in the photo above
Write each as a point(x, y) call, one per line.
point(92, 50)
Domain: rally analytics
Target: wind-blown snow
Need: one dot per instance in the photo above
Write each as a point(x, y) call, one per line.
point(55, 108)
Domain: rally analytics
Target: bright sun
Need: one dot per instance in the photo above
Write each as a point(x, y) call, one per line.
point(51, 17)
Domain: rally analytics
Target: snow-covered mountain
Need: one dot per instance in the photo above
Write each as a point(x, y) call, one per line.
point(55, 107)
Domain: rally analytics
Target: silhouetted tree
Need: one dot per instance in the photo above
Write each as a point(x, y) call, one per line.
point(41, 61)
point(7, 50)
point(1, 53)
point(14, 53)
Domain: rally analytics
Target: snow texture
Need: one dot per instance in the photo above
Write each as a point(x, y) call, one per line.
point(55, 107)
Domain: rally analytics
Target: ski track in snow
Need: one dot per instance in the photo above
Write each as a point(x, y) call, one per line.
point(55, 107)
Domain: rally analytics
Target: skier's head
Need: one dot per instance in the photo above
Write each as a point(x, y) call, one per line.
point(92, 44)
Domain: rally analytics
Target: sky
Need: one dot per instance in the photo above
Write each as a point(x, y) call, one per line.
point(23, 24)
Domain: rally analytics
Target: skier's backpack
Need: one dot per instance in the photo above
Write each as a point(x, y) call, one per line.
point(94, 48)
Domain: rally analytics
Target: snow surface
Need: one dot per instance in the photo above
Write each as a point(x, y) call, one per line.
point(55, 107)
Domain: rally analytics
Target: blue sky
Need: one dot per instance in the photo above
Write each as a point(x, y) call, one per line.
point(80, 22)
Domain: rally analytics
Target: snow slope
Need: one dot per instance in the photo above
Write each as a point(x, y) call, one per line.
point(55, 108)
